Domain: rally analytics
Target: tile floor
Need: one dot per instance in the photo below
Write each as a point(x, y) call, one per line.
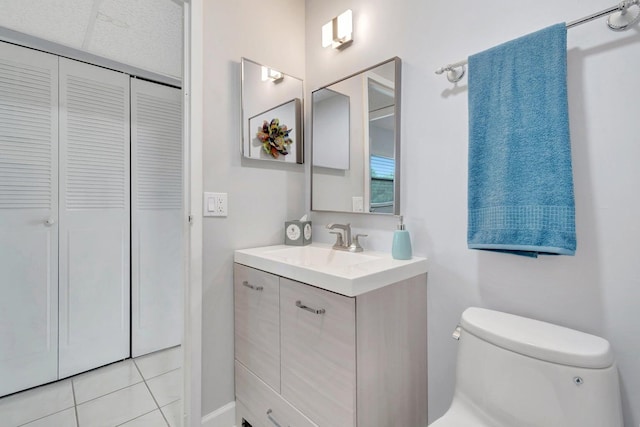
point(141, 392)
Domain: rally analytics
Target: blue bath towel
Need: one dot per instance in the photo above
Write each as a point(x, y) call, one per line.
point(520, 180)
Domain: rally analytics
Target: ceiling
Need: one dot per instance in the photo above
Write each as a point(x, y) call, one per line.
point(143, 33)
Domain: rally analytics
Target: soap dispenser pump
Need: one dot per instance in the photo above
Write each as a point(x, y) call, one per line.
point(401, 248)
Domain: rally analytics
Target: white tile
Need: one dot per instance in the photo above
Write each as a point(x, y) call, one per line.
point(105, 380)
point(66, 418)
point(33, 404)
point(117, 407)
point(173, 413)
point(160, 362)
point(152, 419)
point(166, 388)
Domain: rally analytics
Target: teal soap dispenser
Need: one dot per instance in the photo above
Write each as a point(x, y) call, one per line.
point(401, 248)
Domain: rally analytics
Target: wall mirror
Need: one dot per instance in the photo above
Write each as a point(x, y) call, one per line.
point(355, 142)
point(271, 114)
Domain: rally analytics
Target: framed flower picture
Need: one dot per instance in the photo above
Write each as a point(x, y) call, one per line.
point(275, 134)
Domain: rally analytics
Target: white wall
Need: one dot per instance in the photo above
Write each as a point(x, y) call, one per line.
point(596, 291)
point(262, 195)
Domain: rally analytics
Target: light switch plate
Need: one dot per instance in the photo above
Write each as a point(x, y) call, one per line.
point(215, 204)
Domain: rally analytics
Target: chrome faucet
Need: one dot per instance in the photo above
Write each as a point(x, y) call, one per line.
point(345, 244)
point(340, 242)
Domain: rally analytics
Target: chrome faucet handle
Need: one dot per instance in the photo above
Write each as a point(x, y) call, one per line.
point(339, 241)
point(355, 245)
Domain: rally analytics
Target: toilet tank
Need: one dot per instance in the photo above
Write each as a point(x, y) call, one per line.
point(514, 371)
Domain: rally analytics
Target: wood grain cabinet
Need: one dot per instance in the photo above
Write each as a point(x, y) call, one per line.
point(310, 357)
point(257, 323)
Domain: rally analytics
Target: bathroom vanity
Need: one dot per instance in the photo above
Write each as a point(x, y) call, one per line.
point(329, 338)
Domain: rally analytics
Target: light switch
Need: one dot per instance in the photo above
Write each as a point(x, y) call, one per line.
point(215, 204)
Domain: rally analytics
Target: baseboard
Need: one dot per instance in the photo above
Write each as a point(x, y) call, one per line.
point(224, 416)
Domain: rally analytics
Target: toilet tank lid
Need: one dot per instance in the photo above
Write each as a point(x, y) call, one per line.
point(537, 339)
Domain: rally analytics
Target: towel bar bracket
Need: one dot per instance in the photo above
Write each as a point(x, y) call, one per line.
point(455, 73)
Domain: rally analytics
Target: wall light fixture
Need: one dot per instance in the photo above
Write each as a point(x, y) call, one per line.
point(338, 33)
point(271, 74)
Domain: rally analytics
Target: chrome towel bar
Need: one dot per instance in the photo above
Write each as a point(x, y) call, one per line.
point(457, 70)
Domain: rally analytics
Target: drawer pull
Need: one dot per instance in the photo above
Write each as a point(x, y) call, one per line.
point(250, 286)
point(269, 412)
point(313, 310)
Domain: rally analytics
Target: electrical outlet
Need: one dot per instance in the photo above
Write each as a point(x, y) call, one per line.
point(357, 203)
point(215, 204)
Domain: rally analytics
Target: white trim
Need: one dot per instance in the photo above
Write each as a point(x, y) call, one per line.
point(224, 416)
point(193, 83)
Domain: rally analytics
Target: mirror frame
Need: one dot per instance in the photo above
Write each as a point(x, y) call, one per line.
point(397, 145)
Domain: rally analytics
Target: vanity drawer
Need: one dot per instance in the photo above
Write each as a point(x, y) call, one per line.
point(257, 322)
point(263, 407)
point(318, 353)
point(243, 413)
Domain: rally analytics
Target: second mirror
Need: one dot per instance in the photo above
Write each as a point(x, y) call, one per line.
point(355, 140)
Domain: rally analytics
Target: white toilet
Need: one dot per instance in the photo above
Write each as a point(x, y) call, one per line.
point(518, 372)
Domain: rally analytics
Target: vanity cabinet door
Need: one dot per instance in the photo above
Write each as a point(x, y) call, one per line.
point(257, 323)
point(318, 353)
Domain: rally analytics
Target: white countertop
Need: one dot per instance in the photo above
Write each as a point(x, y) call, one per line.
point(345, 273)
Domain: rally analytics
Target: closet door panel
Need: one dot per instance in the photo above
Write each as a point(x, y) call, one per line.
point(157, 218)
point(94, 217)
point(28, 218)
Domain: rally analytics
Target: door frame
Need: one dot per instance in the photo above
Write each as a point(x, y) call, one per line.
point(192, 85)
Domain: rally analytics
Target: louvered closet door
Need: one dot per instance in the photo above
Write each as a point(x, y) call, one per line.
point(94, 217)
point(157, 226)
point(28, 215)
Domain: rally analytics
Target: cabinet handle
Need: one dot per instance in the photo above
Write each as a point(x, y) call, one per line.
point(269, 412)
point(313, 310)
point(250, 286)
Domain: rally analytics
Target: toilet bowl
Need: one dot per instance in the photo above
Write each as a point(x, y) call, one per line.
point(513, 371)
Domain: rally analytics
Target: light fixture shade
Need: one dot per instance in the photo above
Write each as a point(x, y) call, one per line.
point(275, 75)
point(271, 74)
point(338, 32)
point(327, 34)
point(345, 26)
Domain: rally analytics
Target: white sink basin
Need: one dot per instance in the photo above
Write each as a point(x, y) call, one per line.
point(318, 257)
point(346, 273)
